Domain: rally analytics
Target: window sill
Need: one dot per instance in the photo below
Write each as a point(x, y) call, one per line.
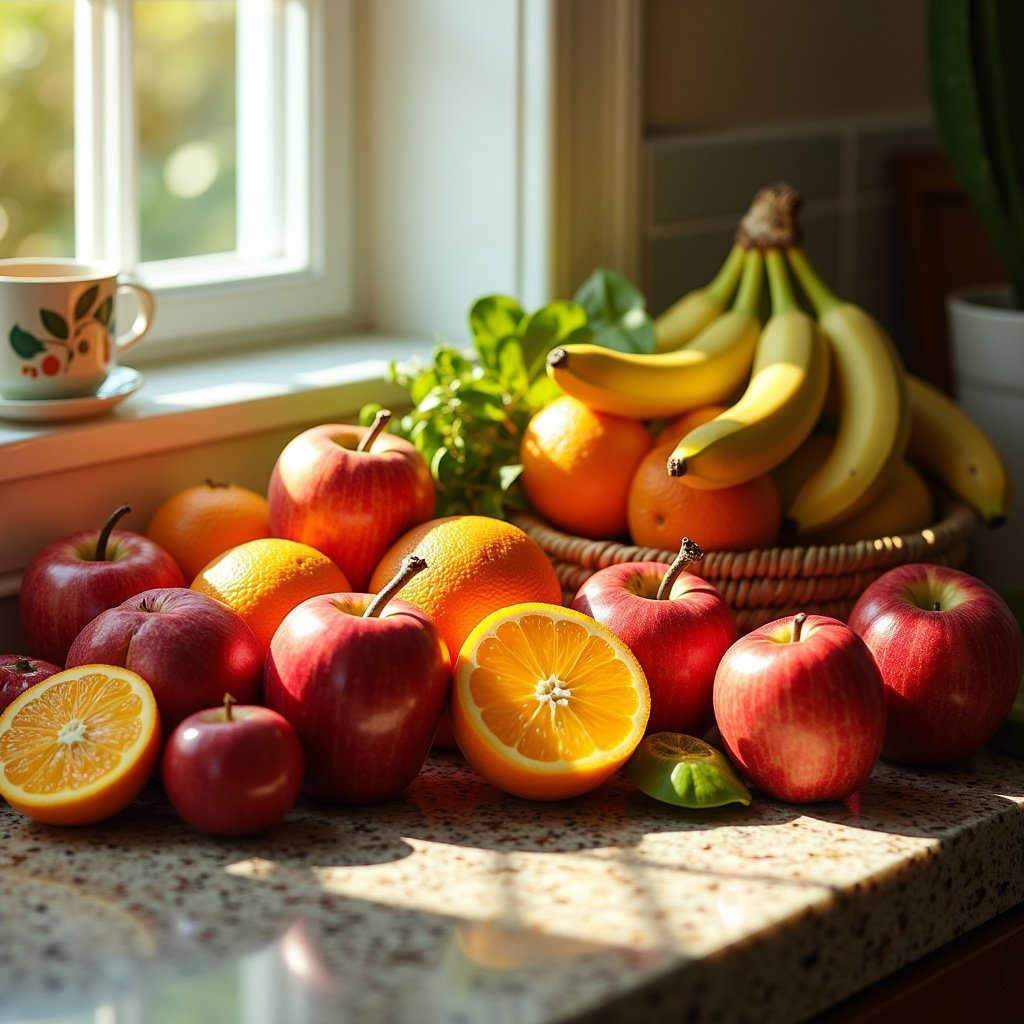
point(225, 418)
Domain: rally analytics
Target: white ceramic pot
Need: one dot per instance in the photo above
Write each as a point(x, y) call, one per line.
point(987, 349)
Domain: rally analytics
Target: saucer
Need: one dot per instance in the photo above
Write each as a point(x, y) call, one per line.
point(122, 382)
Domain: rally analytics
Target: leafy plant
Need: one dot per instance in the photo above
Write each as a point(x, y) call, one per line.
point(977, 86)
point(470, 407)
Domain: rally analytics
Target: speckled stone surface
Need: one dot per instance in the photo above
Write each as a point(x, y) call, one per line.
point(458, 904)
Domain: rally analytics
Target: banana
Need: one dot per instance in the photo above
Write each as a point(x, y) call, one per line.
point(904, 505)
point(688, 316)
point(872, 407)
point(663, 384)
point(949, 445)
point(779, 407)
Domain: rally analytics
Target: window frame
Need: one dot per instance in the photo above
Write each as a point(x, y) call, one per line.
point(292, 268)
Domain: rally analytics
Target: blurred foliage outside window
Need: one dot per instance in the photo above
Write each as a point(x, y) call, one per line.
point(185, 106)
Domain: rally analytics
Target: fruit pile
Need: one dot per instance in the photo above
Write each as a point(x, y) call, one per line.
point(322, 637)
point(772, 411)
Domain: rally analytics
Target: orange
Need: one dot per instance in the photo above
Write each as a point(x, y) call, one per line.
point(79, 746)
point(475, 565)
point(678, 428)
point(547, 703)
point(200, 522)
point(664, 509)
point(577, 464)
point(264, 579)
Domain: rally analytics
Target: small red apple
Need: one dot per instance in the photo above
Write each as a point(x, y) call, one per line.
point(363, 679)
point(234, 770)
point(676, 624)
point(800, 707)
point(350, 492)
point(70, 581)
point(951, 656)
point(18, 672)
point(190, 648)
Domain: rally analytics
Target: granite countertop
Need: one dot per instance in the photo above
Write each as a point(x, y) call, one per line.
point(456, 903)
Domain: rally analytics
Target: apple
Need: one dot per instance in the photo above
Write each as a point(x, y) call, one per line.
point(350, 492)
point(676, 624)
point(71, 580)
point(189, 647)
point(951, 656)
point(18, 672)
point(364, 680)
point(800, 707)
point(233, 770)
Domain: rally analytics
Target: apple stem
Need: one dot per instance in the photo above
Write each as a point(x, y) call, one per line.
point(106, 530)
point(411, 565)
point(798, 625)
point(689, 551)
point(380, 421)
point(228, 702)
point(22, 664)
point(214, 484)
point(936, 607)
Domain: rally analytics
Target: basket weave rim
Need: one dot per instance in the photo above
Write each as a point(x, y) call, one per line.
point(954, 526)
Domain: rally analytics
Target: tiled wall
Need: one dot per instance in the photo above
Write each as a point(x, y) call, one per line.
point(697, 186)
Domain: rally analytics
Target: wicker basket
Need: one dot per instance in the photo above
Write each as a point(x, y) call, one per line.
point(768, 583)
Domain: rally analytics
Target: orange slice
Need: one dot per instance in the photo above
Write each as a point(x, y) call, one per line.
point(547, 703)
point(79, 746)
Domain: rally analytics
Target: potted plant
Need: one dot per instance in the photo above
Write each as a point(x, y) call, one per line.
point(974, 50)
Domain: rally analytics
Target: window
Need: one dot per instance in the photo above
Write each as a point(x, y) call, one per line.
point(200, 144)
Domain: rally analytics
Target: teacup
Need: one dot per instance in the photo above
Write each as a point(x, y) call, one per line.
point(57, 333)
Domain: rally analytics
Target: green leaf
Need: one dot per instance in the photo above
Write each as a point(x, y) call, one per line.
point(508, 475)
point(54, 323)
point(542, 391)
point(548, 327)
point(511, 367)
point(24, 344)
point(85, 301)
point(492, 319)
point(616, 312)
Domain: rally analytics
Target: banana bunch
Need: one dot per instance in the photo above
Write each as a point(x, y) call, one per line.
point(776, 371)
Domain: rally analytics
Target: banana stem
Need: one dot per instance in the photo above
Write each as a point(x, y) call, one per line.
point(783, 295)
point(723, 284)
point(748, 298)
point(821, 297)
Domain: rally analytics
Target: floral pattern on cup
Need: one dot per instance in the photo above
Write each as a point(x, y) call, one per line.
point(91, 326)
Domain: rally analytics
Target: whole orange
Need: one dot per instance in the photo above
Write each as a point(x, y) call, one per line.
point(678, 428)
point(577, 465)
point(475, 565)
point(200, 522)
point(264, 579)
point(663, 509)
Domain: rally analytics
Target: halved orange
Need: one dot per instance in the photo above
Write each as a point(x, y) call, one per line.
point(79, 746)
point(548, 703)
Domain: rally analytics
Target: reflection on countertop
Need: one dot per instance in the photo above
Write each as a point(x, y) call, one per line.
point(456, 903)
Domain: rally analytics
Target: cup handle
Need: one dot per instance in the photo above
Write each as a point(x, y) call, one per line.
point(143, 318)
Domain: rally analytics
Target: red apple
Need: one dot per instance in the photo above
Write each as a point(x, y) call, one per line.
point(951, 655)
point(190, 648)
point(800, 707)
point(678, 626)
point(234, 770)
point(18, 672)
point(363, 679)
point(70, 581)
point(350, 492)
